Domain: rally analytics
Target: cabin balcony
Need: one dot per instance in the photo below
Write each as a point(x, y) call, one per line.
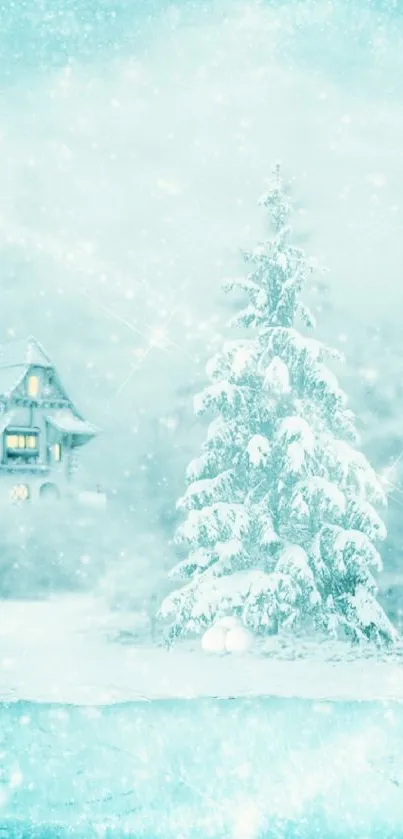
point(27, 468)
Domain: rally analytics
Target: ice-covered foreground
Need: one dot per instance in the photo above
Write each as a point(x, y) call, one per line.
point(82, 756)
point(224, 769)
point(61, 651)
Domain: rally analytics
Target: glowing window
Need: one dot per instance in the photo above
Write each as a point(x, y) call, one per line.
point(57, 452)
point(33, 386)
point(12, 441)
point(20, 492)
point(22, 442)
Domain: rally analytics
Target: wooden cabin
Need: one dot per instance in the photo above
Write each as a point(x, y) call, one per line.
point(41, 430)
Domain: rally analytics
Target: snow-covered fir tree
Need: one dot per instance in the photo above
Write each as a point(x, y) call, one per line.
point(280, 522)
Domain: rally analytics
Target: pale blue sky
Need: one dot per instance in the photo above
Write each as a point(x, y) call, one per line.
point(134, 142)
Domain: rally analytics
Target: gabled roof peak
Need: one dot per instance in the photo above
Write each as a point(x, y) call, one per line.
point(24, 353)
point(36, 354)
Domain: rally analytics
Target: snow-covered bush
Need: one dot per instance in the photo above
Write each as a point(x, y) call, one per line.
point(280, 510)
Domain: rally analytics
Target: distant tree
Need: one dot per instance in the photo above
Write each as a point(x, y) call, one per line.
point(280, 520)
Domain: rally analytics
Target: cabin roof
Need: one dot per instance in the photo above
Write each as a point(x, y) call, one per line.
point(24, 353)
point(66, 422)
point(10, 378)
point(16, 359)
point(5, 420)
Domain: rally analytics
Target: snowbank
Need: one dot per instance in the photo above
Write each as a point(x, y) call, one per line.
point(61, 651)
point(88, 756)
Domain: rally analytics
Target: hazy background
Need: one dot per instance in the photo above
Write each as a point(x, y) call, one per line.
point(135, 139)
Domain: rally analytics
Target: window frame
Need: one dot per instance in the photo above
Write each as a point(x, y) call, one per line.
point(57, 452)
point(20, 493)
point(33, 377)
point(23, 437)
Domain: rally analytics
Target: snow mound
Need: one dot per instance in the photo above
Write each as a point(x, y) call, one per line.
point(63, 651)
point(238, 640)
point(213, 640)
point(228, 635)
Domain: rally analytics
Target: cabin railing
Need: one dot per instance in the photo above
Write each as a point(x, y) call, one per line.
point(26, 468)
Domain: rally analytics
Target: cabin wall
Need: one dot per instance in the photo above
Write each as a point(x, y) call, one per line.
point(42, 376)
point(50, 473)
point(34, 482)
point(33, 416)
point(31, 413)
point(26, 417)
point(24, 407)
point(20, 416)
point(50, 388)
point(54, 437)
point(40, 422)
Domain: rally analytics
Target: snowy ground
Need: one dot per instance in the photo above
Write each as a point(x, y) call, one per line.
point(66, 650)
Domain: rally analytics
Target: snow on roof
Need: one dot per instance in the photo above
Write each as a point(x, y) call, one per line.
point(5, 419)
point(68, 423)
point(10, 378)
point(24, 353)
point(16, 359)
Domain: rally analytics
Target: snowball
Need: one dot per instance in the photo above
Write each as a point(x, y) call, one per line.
point(238, 640)
point(213, 640)
point(227, 635)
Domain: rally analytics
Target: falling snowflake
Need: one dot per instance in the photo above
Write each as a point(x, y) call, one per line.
point(377, 180)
